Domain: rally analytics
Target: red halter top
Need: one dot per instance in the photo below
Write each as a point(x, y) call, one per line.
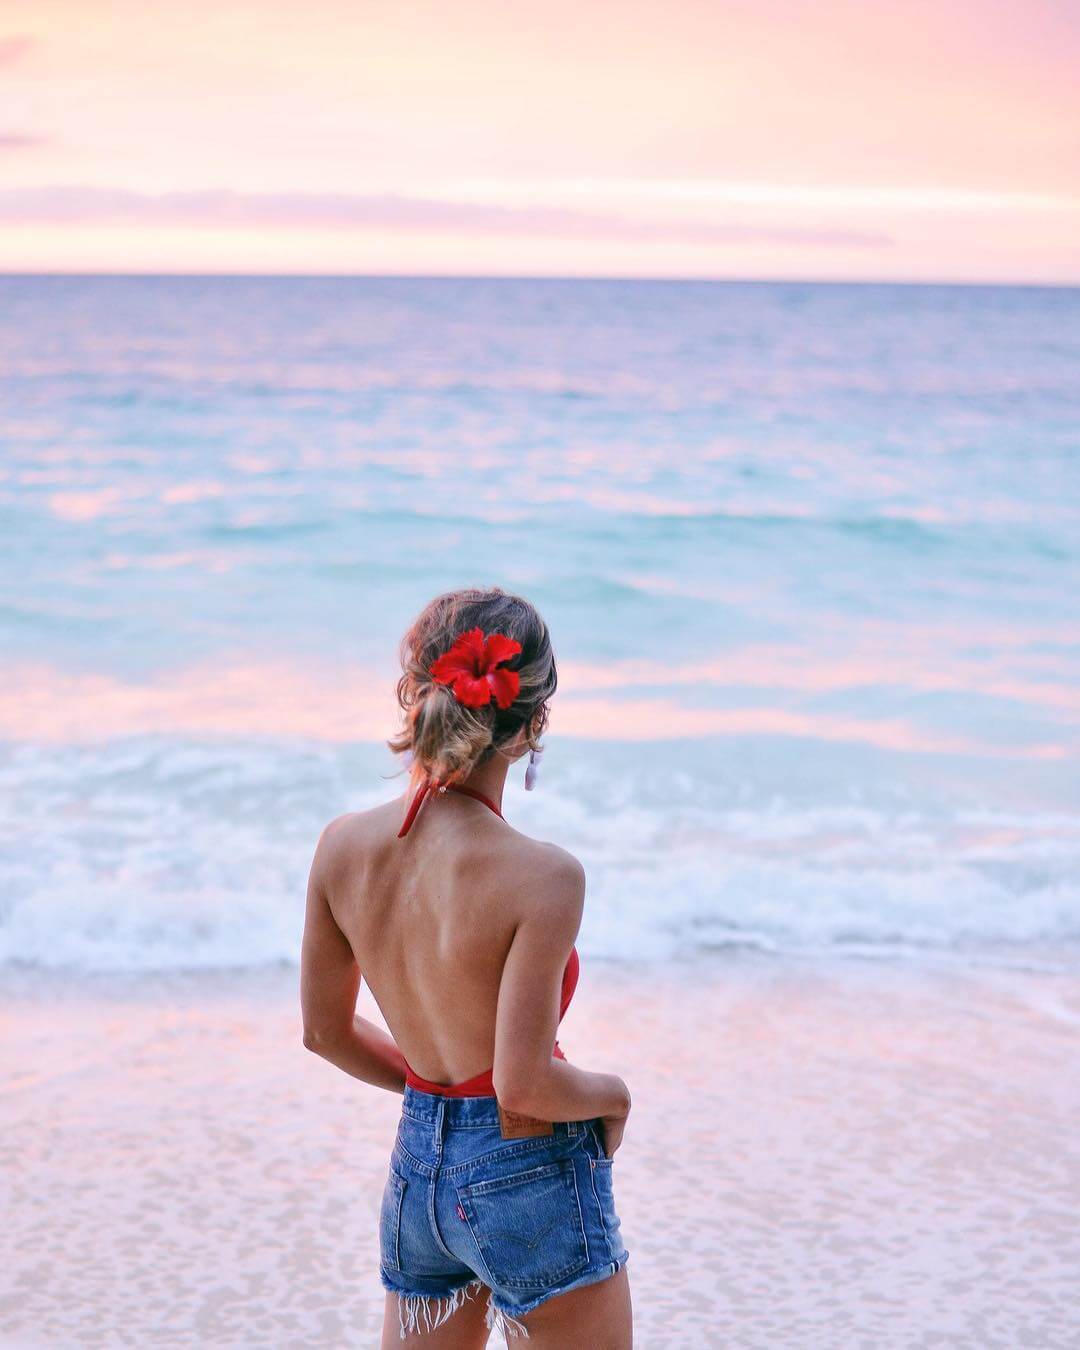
point(480, 1085)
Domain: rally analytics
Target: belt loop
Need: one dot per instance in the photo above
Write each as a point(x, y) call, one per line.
point(440, 1127)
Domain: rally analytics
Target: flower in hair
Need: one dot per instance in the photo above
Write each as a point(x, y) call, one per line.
point(470, 669)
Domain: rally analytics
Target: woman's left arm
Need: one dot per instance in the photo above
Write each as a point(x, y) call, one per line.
point(329, 984)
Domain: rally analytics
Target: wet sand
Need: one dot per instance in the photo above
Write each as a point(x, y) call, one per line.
point(845, 1156)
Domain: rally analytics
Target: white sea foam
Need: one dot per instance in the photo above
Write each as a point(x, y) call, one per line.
point(157, 854)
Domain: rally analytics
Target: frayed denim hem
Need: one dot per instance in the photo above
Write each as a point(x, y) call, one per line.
point(425, 1312)
point(590, 1277)
point(419, 1313)
point(498, 1320)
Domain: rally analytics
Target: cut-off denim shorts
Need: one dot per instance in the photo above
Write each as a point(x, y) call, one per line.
point(463, 1207)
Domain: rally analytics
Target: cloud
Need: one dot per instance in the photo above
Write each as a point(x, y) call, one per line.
point(20, 140)
point(14, 47)
point(823, 196)
point(70, 204)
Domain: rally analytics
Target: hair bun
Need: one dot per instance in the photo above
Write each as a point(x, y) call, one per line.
point(449, 738)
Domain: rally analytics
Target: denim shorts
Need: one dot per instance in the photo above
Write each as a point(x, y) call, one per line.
point(463, 1207)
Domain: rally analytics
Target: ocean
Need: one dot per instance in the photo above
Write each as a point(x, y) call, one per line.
point(810, 555)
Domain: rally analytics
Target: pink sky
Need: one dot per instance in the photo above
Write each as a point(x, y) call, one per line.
point(913, 140)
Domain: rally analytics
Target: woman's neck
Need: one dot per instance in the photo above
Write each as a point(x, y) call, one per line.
point(489, 778)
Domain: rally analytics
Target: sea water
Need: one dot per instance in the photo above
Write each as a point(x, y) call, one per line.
point(810, 555)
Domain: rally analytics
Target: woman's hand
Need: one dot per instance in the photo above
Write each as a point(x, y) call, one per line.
point(614, 1125)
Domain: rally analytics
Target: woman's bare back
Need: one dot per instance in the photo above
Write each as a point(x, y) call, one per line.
point(431, 918)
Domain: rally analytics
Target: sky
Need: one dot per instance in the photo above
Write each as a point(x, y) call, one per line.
point(934, 140)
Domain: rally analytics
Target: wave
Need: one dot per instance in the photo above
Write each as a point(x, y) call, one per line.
point(156, 854)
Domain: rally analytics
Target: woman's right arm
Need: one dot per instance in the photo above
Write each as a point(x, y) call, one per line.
point(528, 1079)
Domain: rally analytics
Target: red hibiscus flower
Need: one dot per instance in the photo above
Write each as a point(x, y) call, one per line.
point(469, 668)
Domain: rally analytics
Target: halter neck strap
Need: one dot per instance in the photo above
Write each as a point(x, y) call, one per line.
point(429, 786)
point(479, 796)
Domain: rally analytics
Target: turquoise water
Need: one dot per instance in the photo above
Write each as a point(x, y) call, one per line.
point(809, 553)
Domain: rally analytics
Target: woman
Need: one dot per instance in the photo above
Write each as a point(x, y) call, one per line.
point(498, 1207)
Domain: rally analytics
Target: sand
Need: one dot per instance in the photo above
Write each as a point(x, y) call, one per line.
point(859, 1155)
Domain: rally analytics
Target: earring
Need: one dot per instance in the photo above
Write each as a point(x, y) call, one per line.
point(533, 769)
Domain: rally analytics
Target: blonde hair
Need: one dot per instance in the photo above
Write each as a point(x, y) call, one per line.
point(447, 739)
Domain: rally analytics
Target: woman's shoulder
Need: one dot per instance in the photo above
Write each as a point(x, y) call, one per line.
point(347, 838)
point(560, 865)
point(512, 862)
point(550, 860)
point(543, 874)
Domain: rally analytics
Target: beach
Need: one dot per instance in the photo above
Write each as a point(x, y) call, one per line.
point(861, 1155)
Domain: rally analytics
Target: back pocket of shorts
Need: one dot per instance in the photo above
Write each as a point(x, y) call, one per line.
point(603, 1189)
point(528, 1226)
point(390, 1221)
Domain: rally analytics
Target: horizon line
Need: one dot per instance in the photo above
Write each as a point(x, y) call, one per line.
point(970, 283)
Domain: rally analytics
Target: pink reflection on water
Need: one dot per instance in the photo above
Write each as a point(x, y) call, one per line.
point(279, 699)
point(195, 491)
point(659, 719)
point(207, 559)
point(916, 665)
point(83, 506)
point(41, 703)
